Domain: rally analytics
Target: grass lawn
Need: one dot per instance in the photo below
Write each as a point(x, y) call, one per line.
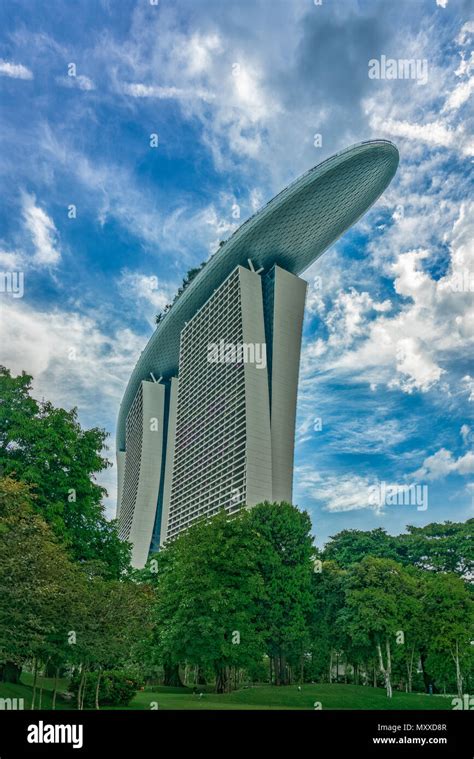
point(25, 690)
point(256, 697)
point(289, 697)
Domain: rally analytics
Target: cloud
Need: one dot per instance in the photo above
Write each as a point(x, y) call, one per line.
point(148, 293)
point(468, 383)
point(138, 90)
point(73, 362)
point(79, 82)
point(408, 346)
point(434, 133)
point(442, 463)
point(43, 232)
point(11, 259)
point(353, 492)
point(460, 95)
point(342, 493)
point(114, 192)
point(465, 433)
point(15, 70)
point(465, 35)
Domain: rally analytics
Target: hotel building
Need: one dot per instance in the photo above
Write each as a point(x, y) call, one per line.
point(207, 420)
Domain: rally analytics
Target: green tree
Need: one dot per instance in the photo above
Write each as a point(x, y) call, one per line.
point(448, 619)
point(440, 547)
point(285, 562)
point(351, 546)
point(325, 629)
point(111, 618)
point(207, 589)
point(37, 581)
point(46, 447)
point(380, 599)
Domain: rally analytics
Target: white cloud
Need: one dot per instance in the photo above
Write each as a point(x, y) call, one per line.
point(115, 193)
point(15, 70)
point(79, 82)
point(409, 349)
point(43, 232)
point(468, 383)
point(434, 133)
point(342, 493)
point(256, 199)
point(11, 259)
point(148, 293)
point(352, 492)
point(442, 463)
point(460, 95)
point(197, 52)
point(72, 361)
point(465, 433)
point(138, 90)
point(219, 81)
point(464, 36)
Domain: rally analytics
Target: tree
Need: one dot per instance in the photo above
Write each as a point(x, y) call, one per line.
point(325, 629)
point(46, 448)
point(110, 620)
point(440, 547)
point(380, 599)
point(285, 563)
point(351, 546)
point(37, 581)
point(448, 616)
point(207, 589)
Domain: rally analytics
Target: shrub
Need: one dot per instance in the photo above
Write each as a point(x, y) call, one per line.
point(116, 688)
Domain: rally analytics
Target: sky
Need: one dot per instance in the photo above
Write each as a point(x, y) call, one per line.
point(138, 134)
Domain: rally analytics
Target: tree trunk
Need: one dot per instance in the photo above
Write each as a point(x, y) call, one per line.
point(83, 695)
point(50, 669)
point(171, 675)
point(35, 677)
point(386, 669)
point(426, 676)
point(459, 677)
point(10, 672)
point(221, 679)
point(40, 704)
point(410, 669)
point(97, 689)
point(56, 675)
point(330, 667)
point(276, 670)
point(284, 674)
point(81, 687)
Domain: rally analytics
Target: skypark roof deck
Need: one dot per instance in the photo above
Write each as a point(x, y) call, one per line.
point(292, 230)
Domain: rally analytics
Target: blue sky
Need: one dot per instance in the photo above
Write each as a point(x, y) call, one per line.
point(236, 92)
